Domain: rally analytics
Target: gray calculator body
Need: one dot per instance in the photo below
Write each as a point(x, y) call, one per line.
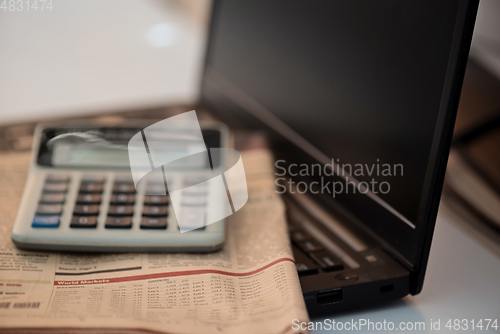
point(80, 205)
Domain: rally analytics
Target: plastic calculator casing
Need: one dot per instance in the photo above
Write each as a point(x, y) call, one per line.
point(100, 238)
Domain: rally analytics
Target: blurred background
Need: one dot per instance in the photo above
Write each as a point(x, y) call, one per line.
point(144, 59)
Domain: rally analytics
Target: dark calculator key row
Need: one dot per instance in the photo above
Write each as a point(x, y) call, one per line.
point(111, 222)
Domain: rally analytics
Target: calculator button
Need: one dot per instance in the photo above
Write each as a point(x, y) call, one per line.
point(94, 178)
point(122, 199)
point(123, 179)
point(197, 190)
point(155, 200)
point(155, 210)
point(86, 210)
point(45, 221)
point(49, 209)
point(52, 198)
point(83, 221)
point(118, 222)
point(91, 187)
point(327, 261)
point(55, 187)
point(124, 188)
point(59, 177)
point(157, 189)
point(310, 246)
point(299, 235)
point(88, 199)
point(192, 218)
point(121, 210)
point(153, 223)
point(194, 201)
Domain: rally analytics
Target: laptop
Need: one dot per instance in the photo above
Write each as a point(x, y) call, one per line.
point(359, 100)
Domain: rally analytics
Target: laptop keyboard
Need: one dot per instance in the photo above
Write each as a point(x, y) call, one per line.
point(311, 257)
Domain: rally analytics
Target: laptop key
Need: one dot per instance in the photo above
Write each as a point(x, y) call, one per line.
point(310, 246)
point(327, 261)
point(299, 235)
point(304, 265)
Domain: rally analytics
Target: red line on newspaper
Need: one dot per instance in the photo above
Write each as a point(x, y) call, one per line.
point(163, 275)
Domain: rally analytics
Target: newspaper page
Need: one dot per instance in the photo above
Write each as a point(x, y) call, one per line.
point(250, 286)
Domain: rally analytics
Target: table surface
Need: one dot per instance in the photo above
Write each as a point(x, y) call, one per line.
point(462, 282)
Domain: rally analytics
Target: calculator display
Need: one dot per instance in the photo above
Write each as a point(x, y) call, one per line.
point(107, 147)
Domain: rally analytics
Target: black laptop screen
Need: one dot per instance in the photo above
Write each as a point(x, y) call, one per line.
point(361, 82)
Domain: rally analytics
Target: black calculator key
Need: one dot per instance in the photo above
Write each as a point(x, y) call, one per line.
point(88, 199)
point(51, 187)
point(121, 210)
point(49, 209)
point(52, 198)
point(299, 235)
point(154, 223)
point(94, 178)
point(310, 246)
point(124, 179)
point(86, 210)
point(91, 187)
point(327, 261)
point(83, 222)
point(155, 200)
point(127, 188)
point(304, 265)
point(157, 189)
point(118, 222)
point(58, 177)
point(122, 199)
point(155, 211)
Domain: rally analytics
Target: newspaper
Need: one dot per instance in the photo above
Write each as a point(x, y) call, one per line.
point(250, 286)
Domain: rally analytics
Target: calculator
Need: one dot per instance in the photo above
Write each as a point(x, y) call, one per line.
point(80, 194)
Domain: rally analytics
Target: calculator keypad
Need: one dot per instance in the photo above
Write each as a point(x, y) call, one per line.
point(154, 212)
